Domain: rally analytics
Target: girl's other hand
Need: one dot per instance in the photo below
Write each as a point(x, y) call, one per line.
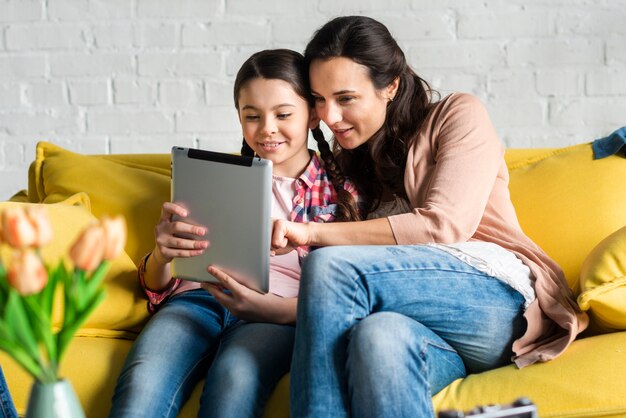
point(245, 303)
point(177, 238)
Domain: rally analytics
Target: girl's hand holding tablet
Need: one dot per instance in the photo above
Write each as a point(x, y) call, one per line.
point(247, 304)
point(173, 238)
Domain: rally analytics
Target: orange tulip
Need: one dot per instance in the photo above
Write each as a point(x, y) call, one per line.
point(38, 217)
point(17, 229)
point(87, 251)
point(27, 273)
point(115, 236)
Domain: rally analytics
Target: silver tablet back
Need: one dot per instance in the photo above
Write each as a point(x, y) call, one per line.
point(232, 196)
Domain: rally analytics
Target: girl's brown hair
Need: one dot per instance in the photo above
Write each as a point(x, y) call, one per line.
point(289, 66)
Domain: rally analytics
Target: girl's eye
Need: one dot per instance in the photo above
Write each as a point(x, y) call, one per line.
point(345, 99)
point(282, 116)
point(252, 117)
point(318, 99)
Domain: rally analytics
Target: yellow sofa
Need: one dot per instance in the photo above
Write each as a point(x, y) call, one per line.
point(573, 206)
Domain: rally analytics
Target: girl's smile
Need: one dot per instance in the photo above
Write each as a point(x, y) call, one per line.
point(270, 146)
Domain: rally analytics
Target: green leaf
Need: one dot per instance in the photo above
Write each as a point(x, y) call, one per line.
point(6, 333)
point(22, 358)
point(3, 301)
point(47, 295)
point(69, 299)
point(4, 288)
point(79, 288)
point(67, 332)
point(16, 316)
point(96, 279)
point(41, 326)
point(92, 305)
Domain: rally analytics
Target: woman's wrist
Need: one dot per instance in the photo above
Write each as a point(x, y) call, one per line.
point(313, 233)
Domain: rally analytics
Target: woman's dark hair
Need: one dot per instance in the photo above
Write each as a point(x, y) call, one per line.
point(289, 66)
point(369, 43)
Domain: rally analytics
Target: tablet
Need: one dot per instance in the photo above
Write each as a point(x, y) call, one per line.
point(231, 195)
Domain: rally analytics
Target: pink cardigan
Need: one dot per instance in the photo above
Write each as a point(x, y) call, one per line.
point(457, 181)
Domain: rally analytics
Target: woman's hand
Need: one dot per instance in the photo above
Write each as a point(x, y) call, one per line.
point(247, 304)
point(287, 235)
point(170, 235)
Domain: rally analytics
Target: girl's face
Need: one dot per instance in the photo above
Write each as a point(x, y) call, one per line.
point(347, 101)
point(275, 122)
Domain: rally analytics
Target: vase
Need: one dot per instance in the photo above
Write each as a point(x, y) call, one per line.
point(53, 400)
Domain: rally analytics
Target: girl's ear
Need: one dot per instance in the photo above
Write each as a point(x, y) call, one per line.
point(314, 121)
point(392, 88)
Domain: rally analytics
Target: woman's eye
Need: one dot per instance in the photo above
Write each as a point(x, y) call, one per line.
point(345, 99)
point(283, 115)
point(318, 99)
point(252, 117)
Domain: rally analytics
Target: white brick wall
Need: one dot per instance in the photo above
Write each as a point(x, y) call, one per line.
point(131, 76)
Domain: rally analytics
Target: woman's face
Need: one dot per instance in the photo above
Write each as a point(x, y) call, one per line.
point(275, 122)
point(347, 101)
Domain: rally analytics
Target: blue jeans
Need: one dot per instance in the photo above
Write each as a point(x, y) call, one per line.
point(380, 329)
point(193, 337)
point(7, 409)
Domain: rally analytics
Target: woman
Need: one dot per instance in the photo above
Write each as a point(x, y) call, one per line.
point(439, 280)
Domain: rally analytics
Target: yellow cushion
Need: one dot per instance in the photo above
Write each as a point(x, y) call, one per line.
point(134, 186)
point(585, 381)
point(567, 202)
point(21, 196)
point(125, 306)
point(603, 284)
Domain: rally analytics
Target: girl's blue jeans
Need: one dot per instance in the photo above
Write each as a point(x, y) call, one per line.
point(380, 329)
point(7, 409)
point(192, 337)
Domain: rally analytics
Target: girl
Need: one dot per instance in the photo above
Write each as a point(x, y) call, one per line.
point(238, 340)
point(453, 286)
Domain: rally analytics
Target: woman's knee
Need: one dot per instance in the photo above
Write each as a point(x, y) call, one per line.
point(327, 258)
point(383, 337)
point(326, 269)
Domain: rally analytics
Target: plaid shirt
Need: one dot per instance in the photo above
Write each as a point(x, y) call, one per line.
point(315, 198)
point(314, 201)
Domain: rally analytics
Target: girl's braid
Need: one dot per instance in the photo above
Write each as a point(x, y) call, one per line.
point(347, 207)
